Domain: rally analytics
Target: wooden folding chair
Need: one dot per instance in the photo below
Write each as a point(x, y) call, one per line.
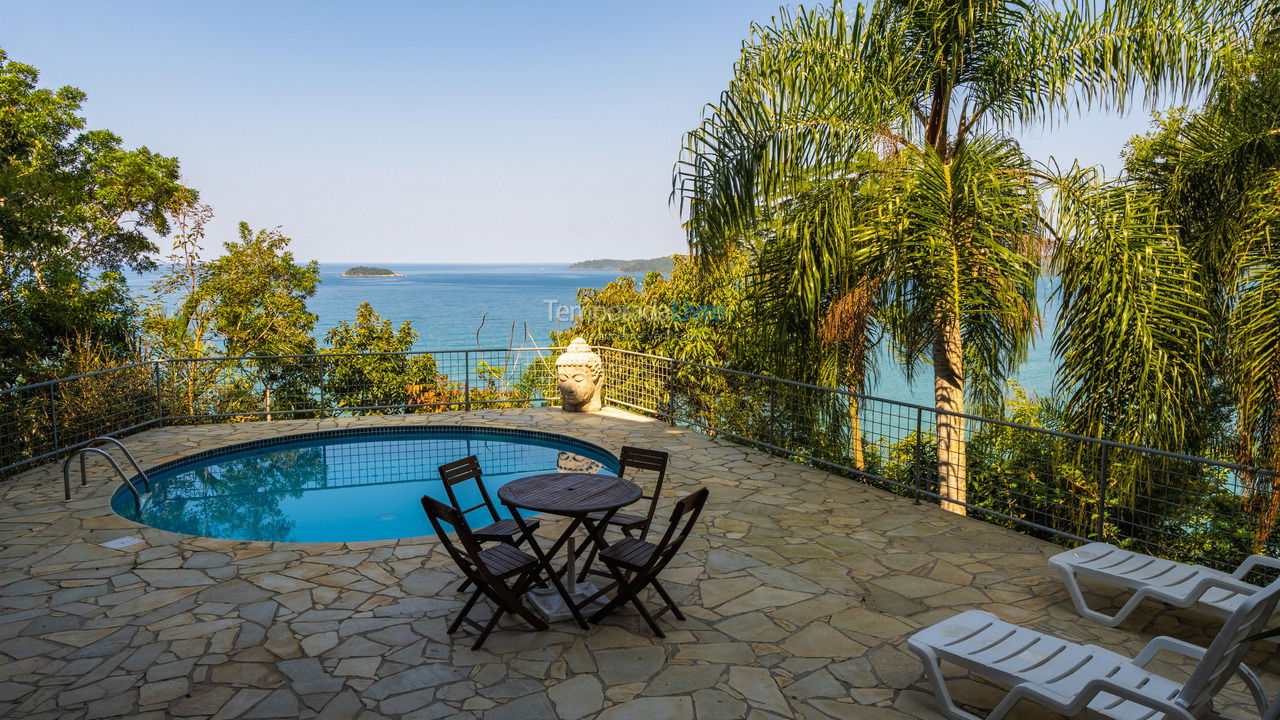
point(501, 529)
point(635, 564)
point(634, 458)
point(488, 569)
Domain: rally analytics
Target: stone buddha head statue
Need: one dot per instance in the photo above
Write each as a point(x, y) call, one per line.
point(579, 375)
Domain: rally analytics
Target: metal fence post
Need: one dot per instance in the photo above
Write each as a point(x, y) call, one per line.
point(324, 409)
point(1102, 495)
point(159, 394)
point(466, 363)
point(53, 418)
point(919, 450)
point(773, 413)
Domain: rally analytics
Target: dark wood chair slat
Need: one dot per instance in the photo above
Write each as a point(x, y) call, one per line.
point(645, 561)
point(489, 570)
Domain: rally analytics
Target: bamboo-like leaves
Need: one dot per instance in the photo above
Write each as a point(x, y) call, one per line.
point(966, 244)
point(1132, 329)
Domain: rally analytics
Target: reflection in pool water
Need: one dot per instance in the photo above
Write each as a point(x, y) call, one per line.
point(347, 488)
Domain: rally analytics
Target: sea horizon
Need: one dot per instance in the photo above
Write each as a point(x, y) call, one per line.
point(460, 306)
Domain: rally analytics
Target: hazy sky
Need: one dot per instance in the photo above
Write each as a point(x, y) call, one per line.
point(425, 131)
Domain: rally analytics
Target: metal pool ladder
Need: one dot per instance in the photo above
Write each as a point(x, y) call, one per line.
point(91, 447)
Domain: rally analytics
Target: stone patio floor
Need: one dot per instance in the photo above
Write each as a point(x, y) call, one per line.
point(801, 588)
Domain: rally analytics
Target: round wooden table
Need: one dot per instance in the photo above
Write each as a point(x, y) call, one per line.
point(573, 495)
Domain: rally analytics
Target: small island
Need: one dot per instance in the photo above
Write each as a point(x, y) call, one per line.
point(367, 271)
point(663, 265)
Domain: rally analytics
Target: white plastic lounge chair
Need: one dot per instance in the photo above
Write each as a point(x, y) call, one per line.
point(1068, 678)
point(1175, 583)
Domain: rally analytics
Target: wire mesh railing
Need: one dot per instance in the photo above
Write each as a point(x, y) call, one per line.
point(1049, 484)
point(327, 384)
point(42, 421)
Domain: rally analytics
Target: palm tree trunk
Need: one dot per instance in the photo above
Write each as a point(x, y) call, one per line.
point(948, 392)
point(855, 434)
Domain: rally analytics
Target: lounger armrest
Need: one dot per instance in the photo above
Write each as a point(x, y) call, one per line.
point(1164, 642)
point(1254, 561)
point(1094, 687)
point(1196, 652)
point(1220, 583)
point(1075, 705)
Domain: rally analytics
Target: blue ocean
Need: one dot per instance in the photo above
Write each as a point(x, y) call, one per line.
point(453, 307)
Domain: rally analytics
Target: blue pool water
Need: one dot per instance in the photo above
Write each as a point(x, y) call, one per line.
point(341, 486)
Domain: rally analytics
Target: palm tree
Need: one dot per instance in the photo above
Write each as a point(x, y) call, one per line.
point(1185, 247)
point(870, 150)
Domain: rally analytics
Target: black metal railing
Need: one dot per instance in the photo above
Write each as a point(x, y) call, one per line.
point(42, 421)
point(1050, 484)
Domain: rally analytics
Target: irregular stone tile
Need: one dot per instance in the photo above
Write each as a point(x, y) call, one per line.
point(577, 697)
point(753, 627)
point(820, 640)
point(205, 700)
point(684, 679)
point(714, 592)
point(758, 686)
point(530, 707)
point(648, 708)
point(236, 592)
point(307, 677)
point(868, 555)
point(162, 691)
point(626, 665)
point(819, 683)
point(761, 598)
point(407, 702)
point(910, 586)
point(279, 704)
point(870, 623)
point(425, 676)
point(174, 578)
point(342, 706)
point(718, 705)
point(259, 675)
point(733, 653)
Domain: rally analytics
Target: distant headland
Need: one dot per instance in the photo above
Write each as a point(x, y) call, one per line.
point(659, 264)
point(367, 271)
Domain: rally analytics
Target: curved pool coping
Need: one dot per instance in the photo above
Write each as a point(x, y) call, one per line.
point(234, 448)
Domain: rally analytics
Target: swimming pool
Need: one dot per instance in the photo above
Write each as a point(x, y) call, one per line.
point(343, 485)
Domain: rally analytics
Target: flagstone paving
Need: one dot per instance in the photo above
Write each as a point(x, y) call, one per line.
point(800, 588)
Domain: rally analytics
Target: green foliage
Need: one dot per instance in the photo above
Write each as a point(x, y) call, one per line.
point(690, 316)
point(368, 365)
point(257, 296)
point(1132, 328)
point(251, 301)
point(1170, 326)
point(863, 160)
point(76, 208)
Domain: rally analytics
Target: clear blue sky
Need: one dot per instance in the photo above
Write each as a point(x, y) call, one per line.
point(425, 131)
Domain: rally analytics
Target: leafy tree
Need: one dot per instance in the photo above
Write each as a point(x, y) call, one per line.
point(257, 296)
point(1171, 318)
point(251, 301)
point(691, 316)
point(688, 316)
point(869, 151)
point(369, 365)
point(76, 208)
